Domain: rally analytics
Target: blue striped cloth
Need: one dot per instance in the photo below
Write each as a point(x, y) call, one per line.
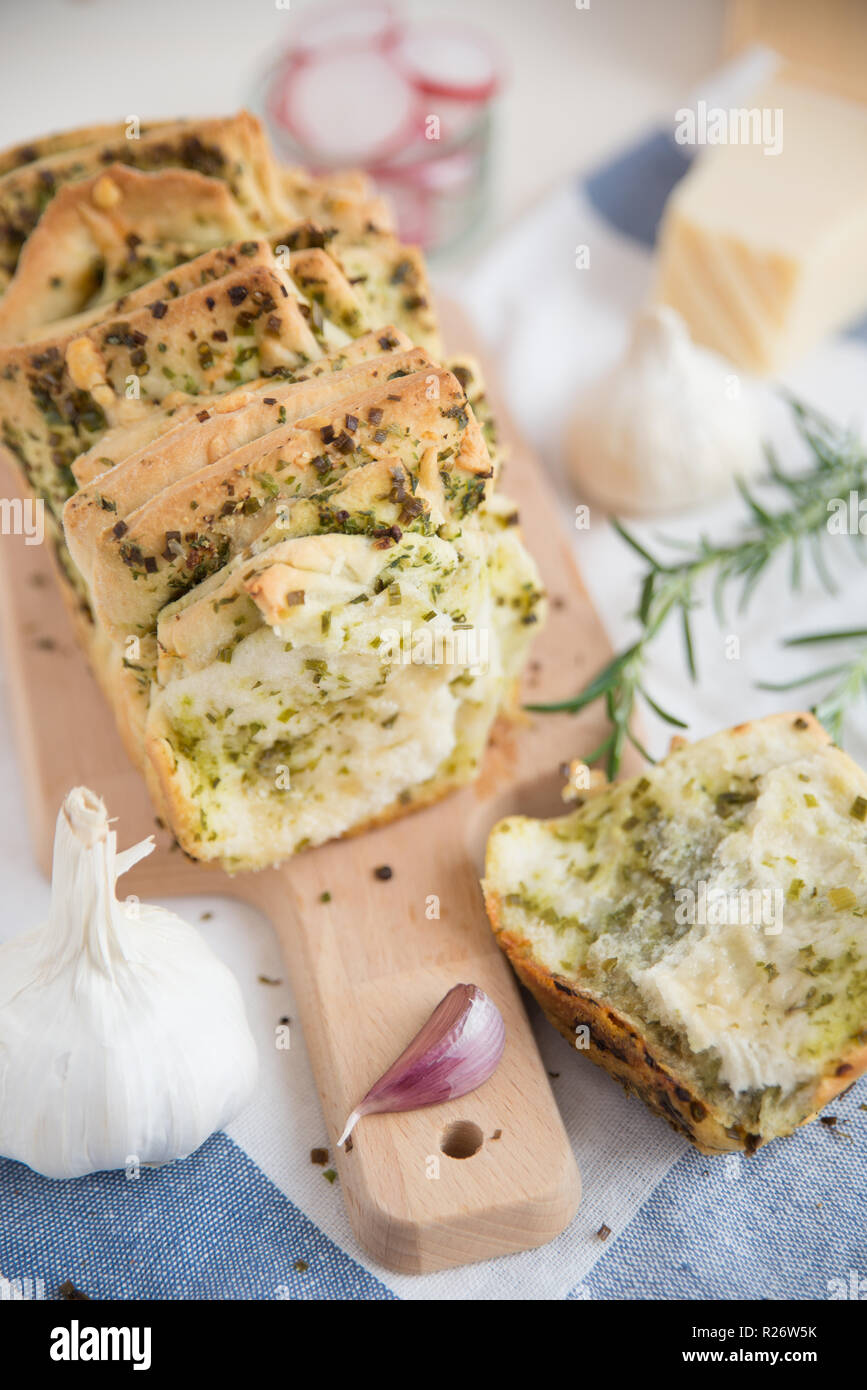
point(788, 1223)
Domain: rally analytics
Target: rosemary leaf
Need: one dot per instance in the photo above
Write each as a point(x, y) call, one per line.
point(838, 467)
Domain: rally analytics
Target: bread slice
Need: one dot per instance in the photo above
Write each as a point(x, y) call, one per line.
point(197, 523)
point(104, 236)
point(131, 436)
point(701, 930)
point(260, 417)
point(233, 149)
point(58, 396)
point(15, 221)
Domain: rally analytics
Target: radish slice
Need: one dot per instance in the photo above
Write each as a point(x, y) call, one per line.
point(460, 64)
point(347, 105)
point(411, 204)
point(332, 27)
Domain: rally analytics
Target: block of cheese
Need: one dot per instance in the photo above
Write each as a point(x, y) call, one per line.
point(763, 253)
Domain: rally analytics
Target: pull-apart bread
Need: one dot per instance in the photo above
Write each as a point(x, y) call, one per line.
point(272, 503)
point(232, 150)
point(701, 929)
point(116, 214)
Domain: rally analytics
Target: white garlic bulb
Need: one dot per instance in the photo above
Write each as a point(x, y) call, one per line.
point(670, 426)
point(123, 1039)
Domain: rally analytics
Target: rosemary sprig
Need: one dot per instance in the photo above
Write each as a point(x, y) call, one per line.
point(671, 587)
point(849, 679)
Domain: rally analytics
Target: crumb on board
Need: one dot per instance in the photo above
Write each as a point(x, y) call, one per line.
point(68, 1291)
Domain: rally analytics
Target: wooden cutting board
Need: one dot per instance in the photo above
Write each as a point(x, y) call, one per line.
point(486, 1175)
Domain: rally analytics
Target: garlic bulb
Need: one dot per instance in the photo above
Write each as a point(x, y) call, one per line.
point(123, 1039)
point(670, 426)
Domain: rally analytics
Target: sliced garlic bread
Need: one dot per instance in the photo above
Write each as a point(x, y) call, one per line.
point(58, 396)
point(283, 552)
point(133, 436)
point(251, 427)
point(702, 928)
point(233, 149)
point(104, 236)
point(197, 523)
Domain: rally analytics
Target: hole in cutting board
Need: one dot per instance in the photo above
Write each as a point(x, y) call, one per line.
point(461, 1139)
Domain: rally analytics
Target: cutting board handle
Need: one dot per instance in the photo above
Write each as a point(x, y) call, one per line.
point(487, 1174)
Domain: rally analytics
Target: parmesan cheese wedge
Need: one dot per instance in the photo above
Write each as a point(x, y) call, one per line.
point(765, 253)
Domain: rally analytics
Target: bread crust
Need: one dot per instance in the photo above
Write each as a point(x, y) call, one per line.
point(134, 438)
point(616, 1043)
point(29, 151)
point(125, 598)
point(199, 445)
point(91, 222)
point(231, 148)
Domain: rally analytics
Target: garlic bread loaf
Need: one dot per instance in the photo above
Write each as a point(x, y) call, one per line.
point(249, 426)
point(334, 654)
point(272, 504)
point(702, 929)
point(129, 439)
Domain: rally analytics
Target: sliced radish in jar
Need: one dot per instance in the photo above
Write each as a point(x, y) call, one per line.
point(455, 63)
point(333, 27)
point(347, 106)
